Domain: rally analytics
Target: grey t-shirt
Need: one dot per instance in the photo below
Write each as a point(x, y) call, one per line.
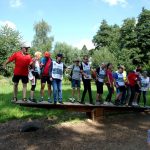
point(76, 74)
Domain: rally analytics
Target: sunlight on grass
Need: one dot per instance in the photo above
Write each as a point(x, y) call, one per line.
point(9, 111)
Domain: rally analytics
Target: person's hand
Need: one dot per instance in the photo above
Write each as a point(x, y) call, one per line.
point(51, 79)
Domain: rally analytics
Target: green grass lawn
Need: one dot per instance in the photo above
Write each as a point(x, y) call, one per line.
point(9, 111)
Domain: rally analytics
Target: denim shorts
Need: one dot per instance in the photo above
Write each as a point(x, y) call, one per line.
point(75, 83)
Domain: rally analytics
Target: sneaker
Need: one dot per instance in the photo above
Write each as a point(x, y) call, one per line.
point(92, 103)
point(32, 100)
point(14, 99)
point(110, 103)
point(60, 102)
point(135, 104)
point(55, 103)
point(49, 100)
point(72, 100)
point(98, 103)
point(41, 100)
point(82, 102)
point(105, 103)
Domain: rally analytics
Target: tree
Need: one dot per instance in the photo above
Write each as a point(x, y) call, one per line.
point(84, 51)
point(70, 53)
point(102, 37)
point(9, 42)
point(128, 43)
point(143, 34)
point(103, 55)
point(42, 41)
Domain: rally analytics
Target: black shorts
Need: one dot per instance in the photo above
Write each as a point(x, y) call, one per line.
point(16, 79)
point(99, 86)
point(137, 88)
point(122, 88)
point(45, 79)
point(36, 75)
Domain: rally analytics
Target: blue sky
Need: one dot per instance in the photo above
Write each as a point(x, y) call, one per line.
point(73, 21)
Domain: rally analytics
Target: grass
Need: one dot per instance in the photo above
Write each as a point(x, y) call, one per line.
point(9, 111)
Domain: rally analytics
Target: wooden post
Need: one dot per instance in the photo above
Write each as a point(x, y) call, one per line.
point(95, 114)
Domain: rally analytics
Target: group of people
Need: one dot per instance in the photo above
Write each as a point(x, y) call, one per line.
point(129, 87)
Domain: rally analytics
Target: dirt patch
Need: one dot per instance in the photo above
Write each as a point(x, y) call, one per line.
point(124, 132)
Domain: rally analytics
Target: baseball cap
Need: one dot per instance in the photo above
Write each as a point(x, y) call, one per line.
point(59, 55)
point(24, 45)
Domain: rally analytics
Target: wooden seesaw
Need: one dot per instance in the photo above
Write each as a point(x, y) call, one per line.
point(93, 112)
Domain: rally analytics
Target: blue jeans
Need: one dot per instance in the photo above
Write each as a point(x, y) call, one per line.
point(57, 90)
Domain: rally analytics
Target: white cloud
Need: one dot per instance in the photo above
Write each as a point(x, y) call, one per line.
point(8, 23)
point(123, 3)
point(15, 3)
point(83, 42)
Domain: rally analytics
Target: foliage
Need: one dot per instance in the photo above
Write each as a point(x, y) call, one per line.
point(9, 42)
point(42, 41)
point(143, 34)
point(84, 51)
point(70, 53)
point(129, 44)
point(103, 55)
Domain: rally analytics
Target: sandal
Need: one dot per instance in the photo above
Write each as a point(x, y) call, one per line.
point(24, 99)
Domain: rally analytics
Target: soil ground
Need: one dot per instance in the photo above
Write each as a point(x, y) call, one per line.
point(124, 132)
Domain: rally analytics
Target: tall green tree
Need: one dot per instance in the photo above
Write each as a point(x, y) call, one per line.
point(10, 40)
point(42, 41)
point(102, 37)
point(129, 51)
point(103, 55)
point(143, 34)
point(84, 51)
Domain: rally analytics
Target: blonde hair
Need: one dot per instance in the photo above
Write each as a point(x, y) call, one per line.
point(38, 54)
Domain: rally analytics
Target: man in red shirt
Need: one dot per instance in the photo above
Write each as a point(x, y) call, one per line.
point(22, 61)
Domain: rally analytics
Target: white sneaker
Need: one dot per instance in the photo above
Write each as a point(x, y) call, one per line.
point(105, 103)
point(72, 100)
point(110, 103)
point(98, 103)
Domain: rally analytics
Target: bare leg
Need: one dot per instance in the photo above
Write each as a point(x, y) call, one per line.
point(24, 90)
point(42, 89)
point(73, 92)
point(78, 89)
point(32, 94)
point(97, 97)
point(15, 89)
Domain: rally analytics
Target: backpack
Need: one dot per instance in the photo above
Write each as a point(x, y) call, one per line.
point(70, 77)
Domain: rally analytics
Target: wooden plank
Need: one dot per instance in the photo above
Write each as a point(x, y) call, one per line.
point(92, 111)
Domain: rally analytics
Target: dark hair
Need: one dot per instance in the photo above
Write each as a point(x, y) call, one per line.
point(108, 65)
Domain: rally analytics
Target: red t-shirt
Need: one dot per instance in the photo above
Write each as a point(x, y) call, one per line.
point(22, 63)
point(110, 75)
point(132, 78)
point(46, 68)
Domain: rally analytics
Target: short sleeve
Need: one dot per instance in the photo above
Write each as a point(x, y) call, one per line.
point(115, 76)
point(12, 57)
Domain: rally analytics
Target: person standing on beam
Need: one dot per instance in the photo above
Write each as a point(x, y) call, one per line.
point(86, 78)
point(56, 76)
point(22, 62)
